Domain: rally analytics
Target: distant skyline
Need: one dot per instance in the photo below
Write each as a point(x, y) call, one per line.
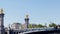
point(40, 11)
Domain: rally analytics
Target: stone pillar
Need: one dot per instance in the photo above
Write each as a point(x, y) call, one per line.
point(26, 21)
point(1, 22)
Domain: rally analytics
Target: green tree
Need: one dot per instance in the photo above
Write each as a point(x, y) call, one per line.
point(36, 26)
point(40, 25)
point(52, 25)
point(30, 26)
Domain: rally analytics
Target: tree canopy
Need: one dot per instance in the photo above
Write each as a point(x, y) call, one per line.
point(52, 25)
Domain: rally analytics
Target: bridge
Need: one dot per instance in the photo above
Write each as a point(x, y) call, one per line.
point(57, 31)
point(38, 30)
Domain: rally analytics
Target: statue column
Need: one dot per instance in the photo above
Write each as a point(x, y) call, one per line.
point(26, 21)
point(1, 21)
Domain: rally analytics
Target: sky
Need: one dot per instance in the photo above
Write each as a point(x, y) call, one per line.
point(39, 11)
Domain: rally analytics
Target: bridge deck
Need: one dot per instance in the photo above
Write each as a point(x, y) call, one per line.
point(46, 31)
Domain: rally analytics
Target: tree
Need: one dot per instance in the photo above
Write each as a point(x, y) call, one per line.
point(52, 25)
point(36, 26)
point(40, 25)
point(32, 26)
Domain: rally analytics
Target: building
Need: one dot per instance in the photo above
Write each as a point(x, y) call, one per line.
point(16, 26)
